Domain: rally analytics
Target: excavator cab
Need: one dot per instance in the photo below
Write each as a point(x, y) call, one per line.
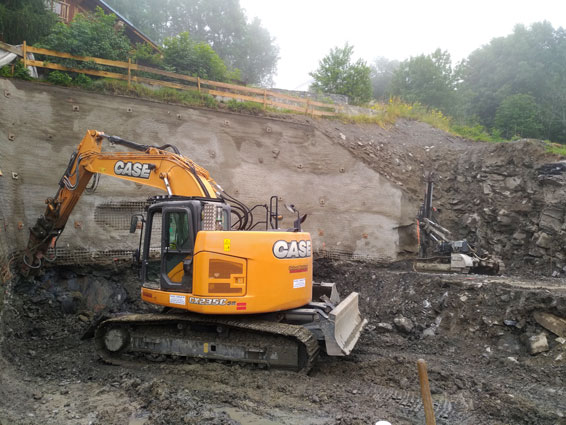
point(175, 225)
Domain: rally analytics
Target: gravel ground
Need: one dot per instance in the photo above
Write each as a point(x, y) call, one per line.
point(471, 330)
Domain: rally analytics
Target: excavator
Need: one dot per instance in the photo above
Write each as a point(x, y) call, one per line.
point(227, 291)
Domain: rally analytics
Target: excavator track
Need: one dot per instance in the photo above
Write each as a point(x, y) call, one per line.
point(121, 340)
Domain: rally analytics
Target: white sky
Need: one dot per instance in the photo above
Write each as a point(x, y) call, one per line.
point(306, 30)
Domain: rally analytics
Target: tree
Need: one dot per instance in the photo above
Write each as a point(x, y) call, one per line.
point(519, 115)
point(426, 79)
point(530, 61)
point(382, 71)
point(93, 34)
point(27, 20)
point(220, 23)
point(337, 74)
point(185, 56)
point(256, 55)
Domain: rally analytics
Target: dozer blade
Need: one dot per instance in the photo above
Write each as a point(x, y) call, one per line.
point(344, 326)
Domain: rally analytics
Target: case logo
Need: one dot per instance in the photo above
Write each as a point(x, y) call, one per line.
point(293, 249)
point(133, 169)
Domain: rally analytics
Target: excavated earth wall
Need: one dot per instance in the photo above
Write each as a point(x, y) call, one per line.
point(352, 210)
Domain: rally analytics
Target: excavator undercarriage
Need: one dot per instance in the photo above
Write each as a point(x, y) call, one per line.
point(289, 340)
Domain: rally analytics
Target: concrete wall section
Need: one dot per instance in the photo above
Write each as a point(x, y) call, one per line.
point(351, 209)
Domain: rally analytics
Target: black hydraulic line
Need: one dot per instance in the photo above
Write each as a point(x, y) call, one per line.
point(138, 146)
point(201, 184)
point(132, 145)
point(173, 147)
point(69, 168)
point(247, 212)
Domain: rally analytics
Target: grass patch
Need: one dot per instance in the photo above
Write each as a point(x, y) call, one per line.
point(247, 107)
point(386, 114)
point(162, 94)
point(555, 148)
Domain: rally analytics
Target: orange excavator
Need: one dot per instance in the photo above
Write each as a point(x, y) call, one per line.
point(229, 292)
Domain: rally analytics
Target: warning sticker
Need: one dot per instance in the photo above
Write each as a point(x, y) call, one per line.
point(299, 283)
point(226, 244)
point(177, 299)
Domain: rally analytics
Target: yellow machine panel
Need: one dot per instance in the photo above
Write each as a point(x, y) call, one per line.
point(245, 273)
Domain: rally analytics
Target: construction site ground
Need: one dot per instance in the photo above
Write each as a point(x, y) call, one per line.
point(473, 331)
point(470, 329)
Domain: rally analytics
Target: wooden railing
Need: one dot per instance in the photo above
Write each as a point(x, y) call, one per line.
point(186, 82)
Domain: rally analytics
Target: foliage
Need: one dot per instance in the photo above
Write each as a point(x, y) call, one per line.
point(94, 35)
point(382, 71)
point(222, 24)
point(519, 115)
point(20, 71)
point(145, 55)
point(59, 78)
point(256, 55)
point(185, 56)
point(82, 80)
point(476, 132)
point(530, 61)
point(337, 74)
point(556, 149)
point(163, 94)
point(252, 108)
point(386, 114)
point(426, 79)
point(27, 20)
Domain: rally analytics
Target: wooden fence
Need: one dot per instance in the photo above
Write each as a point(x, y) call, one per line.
point(213, 88)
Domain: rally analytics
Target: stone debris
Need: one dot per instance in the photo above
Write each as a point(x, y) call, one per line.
point(384, 326)
point(554, 324)
point(428, 332)
point(537, 344)
point(403, 324)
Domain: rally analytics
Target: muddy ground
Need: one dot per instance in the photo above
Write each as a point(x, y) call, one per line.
point(472, 330)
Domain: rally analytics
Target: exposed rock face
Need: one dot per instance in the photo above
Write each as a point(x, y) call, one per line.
point(511, 204)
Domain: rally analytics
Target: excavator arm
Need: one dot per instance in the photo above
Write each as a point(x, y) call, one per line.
point(148, 165)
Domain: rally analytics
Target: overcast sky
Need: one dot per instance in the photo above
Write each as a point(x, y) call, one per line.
point(306, 30)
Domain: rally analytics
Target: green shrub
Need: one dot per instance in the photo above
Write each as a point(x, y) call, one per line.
point(186, 56)
point(94, 34)
point(20, 71)
point(252, 108)
point(59, 78)
point(82, 80)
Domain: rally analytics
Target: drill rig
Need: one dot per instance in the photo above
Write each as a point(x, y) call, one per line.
point(238, 295)
point(438, 252)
